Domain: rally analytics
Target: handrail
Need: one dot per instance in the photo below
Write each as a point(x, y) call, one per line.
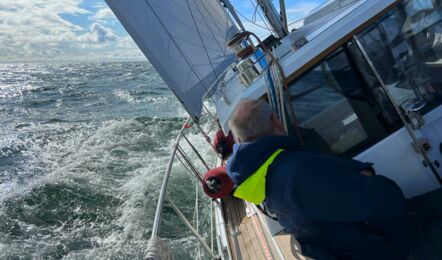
point(196, 152)
point(161, 197)
point(156, 248)
point(192, 229)
point(190, 164)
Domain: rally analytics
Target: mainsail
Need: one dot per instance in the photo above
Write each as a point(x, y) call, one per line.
point(185, 40)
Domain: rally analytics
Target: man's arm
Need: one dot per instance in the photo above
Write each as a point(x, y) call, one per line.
point(329, 194)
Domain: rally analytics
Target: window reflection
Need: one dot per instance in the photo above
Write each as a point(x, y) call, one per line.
point(335, 107)
point(406, 49)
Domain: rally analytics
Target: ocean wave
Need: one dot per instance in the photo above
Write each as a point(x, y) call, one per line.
point(84, 162)
point(9, 91)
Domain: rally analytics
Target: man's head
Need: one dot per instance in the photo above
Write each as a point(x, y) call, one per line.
point(253, 119)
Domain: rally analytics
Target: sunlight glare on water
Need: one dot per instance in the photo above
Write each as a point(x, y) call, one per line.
point(82, 151)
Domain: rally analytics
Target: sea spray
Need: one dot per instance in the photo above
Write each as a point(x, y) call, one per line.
point(83, 150)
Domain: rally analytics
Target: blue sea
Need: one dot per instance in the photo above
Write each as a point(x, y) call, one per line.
point(83, 148)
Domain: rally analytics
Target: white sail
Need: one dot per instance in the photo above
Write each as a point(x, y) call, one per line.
point(185, 40)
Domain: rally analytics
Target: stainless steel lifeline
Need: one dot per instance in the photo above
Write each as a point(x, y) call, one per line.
point(157, 249)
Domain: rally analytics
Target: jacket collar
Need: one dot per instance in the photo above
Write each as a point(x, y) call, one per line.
point(253, 189)
point(247, 158)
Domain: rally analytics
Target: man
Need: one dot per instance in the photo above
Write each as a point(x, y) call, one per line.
point(334, 207)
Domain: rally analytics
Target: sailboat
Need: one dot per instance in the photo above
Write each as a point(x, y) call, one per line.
point(363, 75)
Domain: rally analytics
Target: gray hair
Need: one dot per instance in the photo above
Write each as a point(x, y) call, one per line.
point(251, 120)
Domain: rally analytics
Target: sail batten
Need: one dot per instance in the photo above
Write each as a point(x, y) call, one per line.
point(185, 40)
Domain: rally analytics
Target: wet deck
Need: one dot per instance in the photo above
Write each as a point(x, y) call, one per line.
point(245, 234)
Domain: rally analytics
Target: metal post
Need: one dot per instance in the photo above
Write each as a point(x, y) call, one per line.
point(211, 225)
point(191, 228)
point(159, 209)
point(196, 152)
point(396, 106)
point(196, 221)
point(189, 163)
point(283, 14)
point(273, 17)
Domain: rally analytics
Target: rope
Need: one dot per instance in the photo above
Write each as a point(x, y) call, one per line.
point(279, 67)
point(157, 250)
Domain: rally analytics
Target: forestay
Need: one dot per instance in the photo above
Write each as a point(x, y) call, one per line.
point(185, 40)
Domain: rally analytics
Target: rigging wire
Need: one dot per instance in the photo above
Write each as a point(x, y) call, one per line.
point(254, 12)
point(248, 20)
point(185, 166)
point(190, 164)
point(296, 21)
point(261, 14)
point(317, 8)
point(285, 83)
point(253, 20)
point(196, 152)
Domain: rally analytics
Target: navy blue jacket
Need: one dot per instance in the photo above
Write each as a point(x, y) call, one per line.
point(325, 202)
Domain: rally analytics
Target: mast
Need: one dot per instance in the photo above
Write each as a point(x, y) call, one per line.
point(283, 14)
point(273, 17)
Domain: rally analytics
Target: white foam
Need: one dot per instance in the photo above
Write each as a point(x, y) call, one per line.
point(124, 159)
point(124, 95)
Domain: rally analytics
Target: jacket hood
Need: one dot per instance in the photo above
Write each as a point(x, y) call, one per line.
point(248, 157)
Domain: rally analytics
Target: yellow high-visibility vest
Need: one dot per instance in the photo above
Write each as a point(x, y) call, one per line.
point(253, 189)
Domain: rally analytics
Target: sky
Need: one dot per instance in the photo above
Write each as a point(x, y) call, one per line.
point(79, 30)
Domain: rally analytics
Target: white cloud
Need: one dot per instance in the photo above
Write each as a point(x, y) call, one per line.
point(44, 29)
point(126, 42)
point(104, 14)
point(39, 30)
point(98, 34)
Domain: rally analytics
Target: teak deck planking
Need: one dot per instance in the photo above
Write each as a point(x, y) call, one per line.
point(243, 239)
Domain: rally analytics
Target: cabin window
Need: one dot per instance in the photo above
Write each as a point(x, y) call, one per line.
point(405, 48)
point(340, 107)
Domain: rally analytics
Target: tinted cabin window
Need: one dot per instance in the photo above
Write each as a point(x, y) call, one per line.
point(405, 47)
point(339, 106)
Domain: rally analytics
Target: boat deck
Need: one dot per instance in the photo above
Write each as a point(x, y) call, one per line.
point(244, 231)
